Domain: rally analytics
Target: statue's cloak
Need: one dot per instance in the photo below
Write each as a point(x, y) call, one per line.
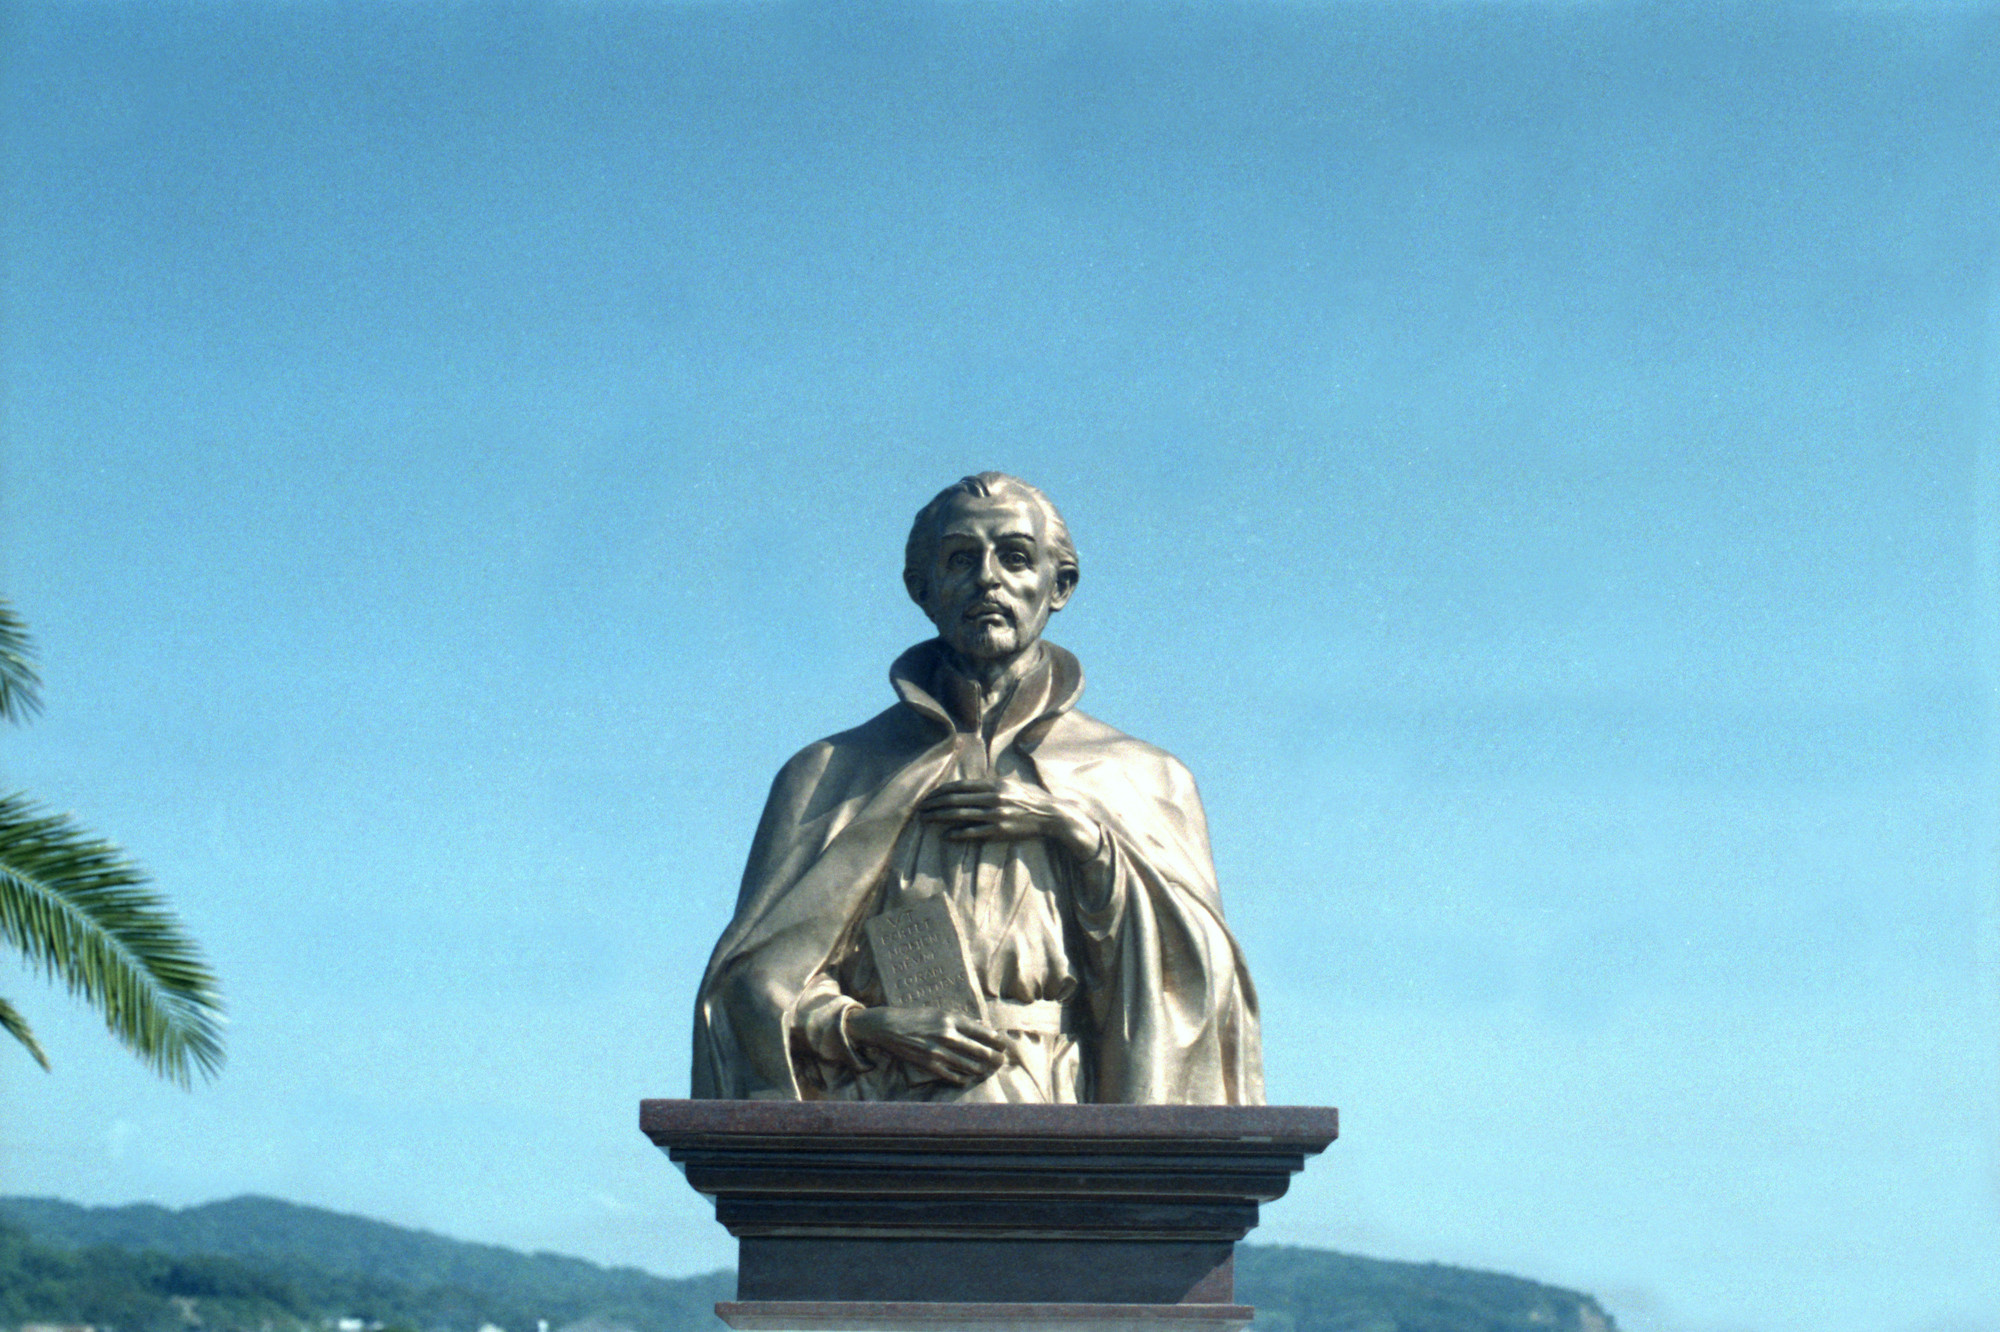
point(1169, 1017)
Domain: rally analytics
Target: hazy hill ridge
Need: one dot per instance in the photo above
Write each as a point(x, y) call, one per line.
point(1314, 1290)
point(279, 1234)
point(260, 1265)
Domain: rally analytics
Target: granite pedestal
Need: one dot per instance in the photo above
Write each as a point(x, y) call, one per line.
point(910, 1217)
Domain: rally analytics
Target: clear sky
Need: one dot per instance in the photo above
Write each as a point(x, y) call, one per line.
point(1536, 464)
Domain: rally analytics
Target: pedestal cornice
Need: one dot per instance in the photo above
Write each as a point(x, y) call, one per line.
point(1032, 1213)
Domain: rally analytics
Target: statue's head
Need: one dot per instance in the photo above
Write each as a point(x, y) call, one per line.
point(990, 560)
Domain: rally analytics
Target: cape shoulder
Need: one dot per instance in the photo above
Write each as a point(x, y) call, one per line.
point(1086, 746)
point(819, 791)
point(871, 752)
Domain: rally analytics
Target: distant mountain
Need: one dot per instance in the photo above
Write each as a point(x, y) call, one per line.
point(252, 1263)
point(1311, 1290)
point(286, 1236)
point(260, 1265)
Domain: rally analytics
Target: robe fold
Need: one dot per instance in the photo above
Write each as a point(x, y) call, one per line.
point(1155, 1003)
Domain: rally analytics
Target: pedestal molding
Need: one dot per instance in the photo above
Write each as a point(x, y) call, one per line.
point(841, 1208)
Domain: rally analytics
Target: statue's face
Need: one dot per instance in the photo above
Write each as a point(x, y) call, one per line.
point(993, 581)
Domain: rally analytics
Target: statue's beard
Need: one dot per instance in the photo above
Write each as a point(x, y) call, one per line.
point(989, 638)
point(986, 639)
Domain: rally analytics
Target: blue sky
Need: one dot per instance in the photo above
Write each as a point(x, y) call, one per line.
point(1535, 463)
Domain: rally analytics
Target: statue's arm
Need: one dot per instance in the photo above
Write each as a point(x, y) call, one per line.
point(1153, 828)
point(823, 1030)
point(1099, 887)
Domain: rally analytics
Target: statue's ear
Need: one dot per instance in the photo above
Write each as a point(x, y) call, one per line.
point(914, 584)
point(1066, 578)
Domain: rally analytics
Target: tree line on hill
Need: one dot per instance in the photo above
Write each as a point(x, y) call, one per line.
point(260, 1265)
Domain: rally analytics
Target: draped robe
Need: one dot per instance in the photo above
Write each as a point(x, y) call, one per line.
point(1115, 980)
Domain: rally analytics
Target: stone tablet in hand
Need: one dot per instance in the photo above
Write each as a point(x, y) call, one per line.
point(920, 956)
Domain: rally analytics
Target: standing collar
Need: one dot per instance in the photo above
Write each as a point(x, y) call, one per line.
point(1050, 687)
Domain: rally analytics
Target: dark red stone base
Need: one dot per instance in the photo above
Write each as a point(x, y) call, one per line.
point(1048, 1217)
point(914, 1316)
point(1006, 1271)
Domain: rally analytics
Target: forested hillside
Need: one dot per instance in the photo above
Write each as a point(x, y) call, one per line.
point(260, 1265)
point(1312, 1290)
point(252, 1263)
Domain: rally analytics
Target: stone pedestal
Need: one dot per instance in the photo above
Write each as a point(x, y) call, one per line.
point(903, 1217)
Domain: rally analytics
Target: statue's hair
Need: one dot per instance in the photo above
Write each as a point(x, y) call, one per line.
point(922, 545)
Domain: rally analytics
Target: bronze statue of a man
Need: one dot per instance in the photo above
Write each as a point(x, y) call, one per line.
point(1070, 859)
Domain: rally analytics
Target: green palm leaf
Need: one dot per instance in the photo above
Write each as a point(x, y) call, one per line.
point(20, 684)
point(16, 1026)
point(78, 910)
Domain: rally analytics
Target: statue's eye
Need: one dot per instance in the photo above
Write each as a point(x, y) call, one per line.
point(961, 559)
point(1017, 559)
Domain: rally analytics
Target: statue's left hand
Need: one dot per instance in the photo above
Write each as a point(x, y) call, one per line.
point(1011, 810)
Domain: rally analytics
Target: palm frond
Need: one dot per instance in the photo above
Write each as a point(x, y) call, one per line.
point(16, 1026)
point(79, 911)
point(20, 683)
